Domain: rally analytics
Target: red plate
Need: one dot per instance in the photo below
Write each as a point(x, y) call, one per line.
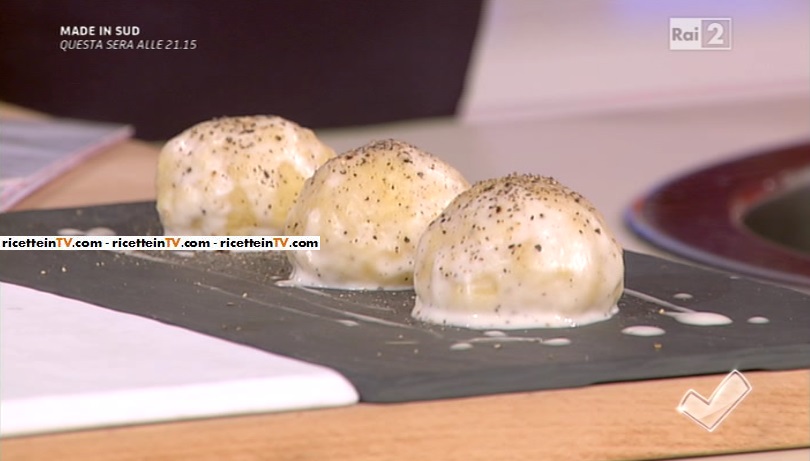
point(750, 215)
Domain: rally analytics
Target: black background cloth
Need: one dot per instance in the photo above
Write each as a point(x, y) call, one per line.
point(320, 63)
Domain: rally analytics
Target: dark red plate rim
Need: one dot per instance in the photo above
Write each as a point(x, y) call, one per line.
point(700, 215)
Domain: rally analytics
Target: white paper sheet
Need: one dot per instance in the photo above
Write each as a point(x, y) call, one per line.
point(66, 364)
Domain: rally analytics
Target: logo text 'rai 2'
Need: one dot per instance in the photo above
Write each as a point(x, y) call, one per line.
point(703, 34)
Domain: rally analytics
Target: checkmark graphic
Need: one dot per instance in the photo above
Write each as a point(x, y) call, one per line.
point(709, 413)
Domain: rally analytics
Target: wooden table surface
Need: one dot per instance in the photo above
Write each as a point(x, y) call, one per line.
point(636, 420)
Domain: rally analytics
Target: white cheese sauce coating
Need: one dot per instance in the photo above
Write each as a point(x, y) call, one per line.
point(369, 205)
point(521, 251)
point(235, 175)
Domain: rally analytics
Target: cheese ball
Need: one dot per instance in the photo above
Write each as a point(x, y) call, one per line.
point(521, 251)
point(235, 175)
point(369, 206)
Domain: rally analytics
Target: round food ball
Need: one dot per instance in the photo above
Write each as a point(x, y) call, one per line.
point(235, 175)
point(369, 206)
point(521, 251)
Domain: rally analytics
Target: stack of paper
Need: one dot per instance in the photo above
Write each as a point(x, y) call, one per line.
point(35, 152)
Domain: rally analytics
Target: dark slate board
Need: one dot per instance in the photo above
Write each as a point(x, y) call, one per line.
point(388, 356)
